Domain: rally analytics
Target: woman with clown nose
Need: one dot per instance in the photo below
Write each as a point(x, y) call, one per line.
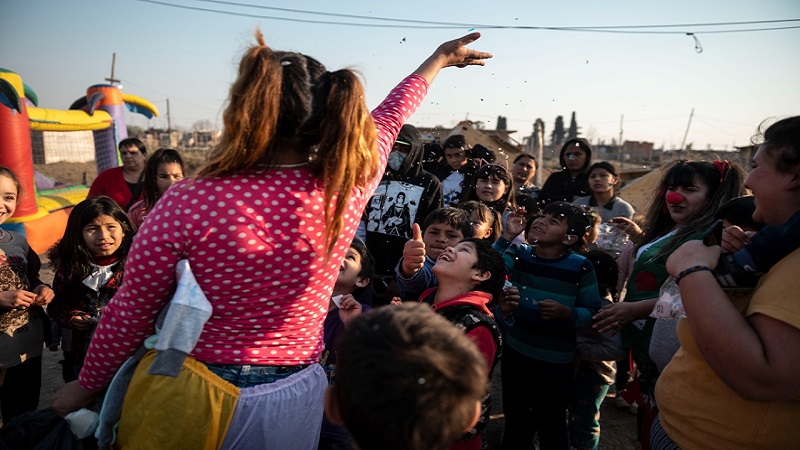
point(683, 208)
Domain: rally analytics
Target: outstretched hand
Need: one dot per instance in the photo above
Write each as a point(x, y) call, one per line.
point(456, 53)
point(452, 53)
point(515, 224)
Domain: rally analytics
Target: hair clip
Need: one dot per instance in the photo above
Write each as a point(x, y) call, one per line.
point(721, 166)
point(483, 163)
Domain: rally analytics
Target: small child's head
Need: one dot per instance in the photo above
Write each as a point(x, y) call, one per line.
point(406, 379)
point(10, 193)
point(607, 272)
point(486, 222)
point(456, 151)
point(357, 270)
point(560, 224)
point(96, 228)
point(739, 211)
point(99, 227)
point(444, 227)
point(493, 186)
point(603, 177)
point(164, 168)
point(472, 261)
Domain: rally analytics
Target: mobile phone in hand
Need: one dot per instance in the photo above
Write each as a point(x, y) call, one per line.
point(713, 236)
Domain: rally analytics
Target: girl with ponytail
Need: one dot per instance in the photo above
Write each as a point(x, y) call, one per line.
point(264, 225)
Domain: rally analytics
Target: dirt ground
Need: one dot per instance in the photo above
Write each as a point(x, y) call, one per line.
point(617, 426)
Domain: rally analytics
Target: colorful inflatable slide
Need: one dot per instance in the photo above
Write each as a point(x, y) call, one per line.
point(42, 217)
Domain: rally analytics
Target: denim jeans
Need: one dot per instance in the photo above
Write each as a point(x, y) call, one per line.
point(246, 375)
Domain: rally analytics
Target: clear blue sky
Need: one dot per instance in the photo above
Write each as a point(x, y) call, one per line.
point(62, 47)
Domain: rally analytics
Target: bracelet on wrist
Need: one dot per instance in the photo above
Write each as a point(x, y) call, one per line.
point(690, 270)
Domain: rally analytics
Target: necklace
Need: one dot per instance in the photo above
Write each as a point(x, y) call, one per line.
point(283, 166)
point(290, 166)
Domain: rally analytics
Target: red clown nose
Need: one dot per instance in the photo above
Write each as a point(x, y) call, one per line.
point(673, 198)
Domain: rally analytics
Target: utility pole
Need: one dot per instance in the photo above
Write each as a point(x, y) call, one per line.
point(621, 153)
point(169, 119)
point(683, 144)
point(538, 129)
point(113, 80)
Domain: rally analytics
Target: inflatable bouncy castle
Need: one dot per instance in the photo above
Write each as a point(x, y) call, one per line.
point(96, 122)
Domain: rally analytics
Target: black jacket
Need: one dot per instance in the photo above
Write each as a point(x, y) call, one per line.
point(402, 198)
point(561, 186)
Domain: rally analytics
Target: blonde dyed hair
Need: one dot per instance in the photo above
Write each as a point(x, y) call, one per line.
point(287, 99)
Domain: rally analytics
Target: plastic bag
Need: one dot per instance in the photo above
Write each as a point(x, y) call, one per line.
point(611, 239)
point(27, 430)
point(669, 304)
point(60, 437)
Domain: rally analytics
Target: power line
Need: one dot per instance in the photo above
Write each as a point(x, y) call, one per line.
point(424, 24)
point(439, 24)
point(289, 19)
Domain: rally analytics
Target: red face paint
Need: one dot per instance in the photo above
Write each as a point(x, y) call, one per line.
point(673, 198)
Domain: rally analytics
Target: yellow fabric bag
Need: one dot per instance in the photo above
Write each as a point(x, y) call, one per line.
point(191, 411)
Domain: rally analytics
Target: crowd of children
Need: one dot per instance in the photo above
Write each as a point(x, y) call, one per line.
point(462, 270)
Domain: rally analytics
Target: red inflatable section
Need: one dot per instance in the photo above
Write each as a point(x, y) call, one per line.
point(15, 142)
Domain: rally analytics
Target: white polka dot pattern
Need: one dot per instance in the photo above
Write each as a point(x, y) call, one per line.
point(254, 241)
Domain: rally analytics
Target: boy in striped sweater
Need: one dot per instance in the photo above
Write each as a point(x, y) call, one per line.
point(558, 294)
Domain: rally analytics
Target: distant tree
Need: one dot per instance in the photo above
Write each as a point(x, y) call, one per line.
point(134, 131)
point(538, 126)
point(501, 123)
point(574, 129)
point(202, 125)
point(557, 137)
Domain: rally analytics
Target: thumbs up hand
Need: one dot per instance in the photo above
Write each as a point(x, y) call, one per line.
point(413, 253)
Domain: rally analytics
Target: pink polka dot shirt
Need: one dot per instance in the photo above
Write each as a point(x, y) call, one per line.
point(255, 244)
